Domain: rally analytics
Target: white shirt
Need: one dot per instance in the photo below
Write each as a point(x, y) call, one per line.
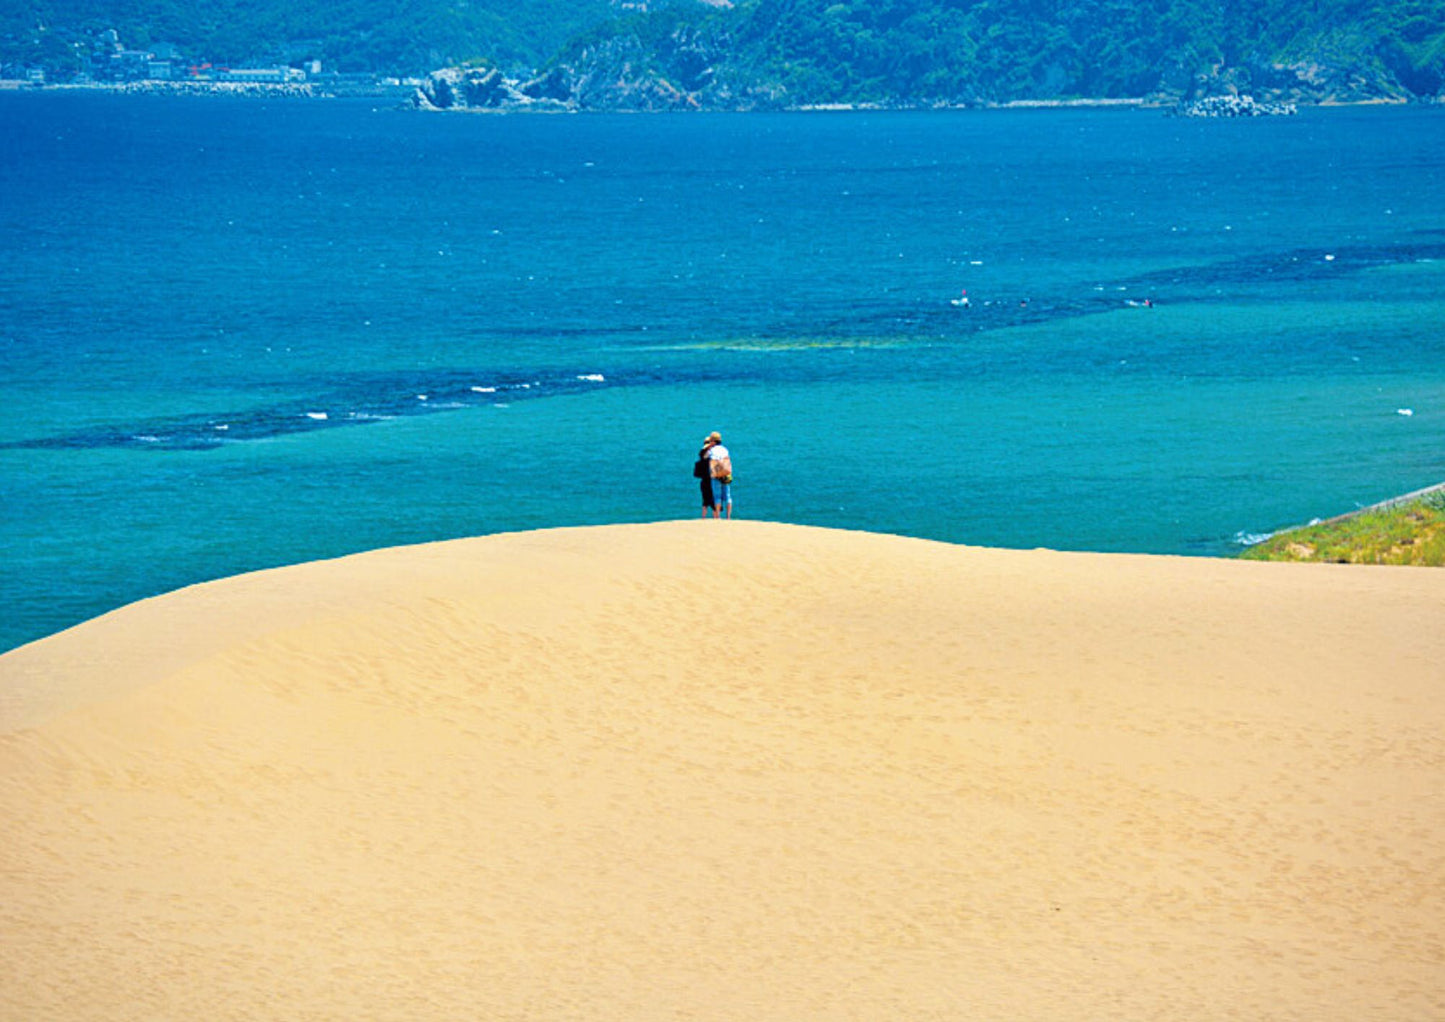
point(717, 453)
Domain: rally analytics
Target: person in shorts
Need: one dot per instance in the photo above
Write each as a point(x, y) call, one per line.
point(721, 464)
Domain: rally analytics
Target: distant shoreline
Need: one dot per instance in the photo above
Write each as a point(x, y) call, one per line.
point(287, 90)
point(1131, 102)
point(403, 92)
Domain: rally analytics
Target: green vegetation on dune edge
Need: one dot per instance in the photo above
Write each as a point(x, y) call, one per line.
point(1411, 533)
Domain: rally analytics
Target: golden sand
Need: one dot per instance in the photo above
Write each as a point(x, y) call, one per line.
point(733, 770)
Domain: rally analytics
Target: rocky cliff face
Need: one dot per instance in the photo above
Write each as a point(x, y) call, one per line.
point(457, 88)
point(683, 71)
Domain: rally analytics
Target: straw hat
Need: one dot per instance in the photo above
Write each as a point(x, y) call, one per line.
point(713, 438)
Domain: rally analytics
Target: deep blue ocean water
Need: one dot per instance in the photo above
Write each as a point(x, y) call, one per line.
point(236, 334)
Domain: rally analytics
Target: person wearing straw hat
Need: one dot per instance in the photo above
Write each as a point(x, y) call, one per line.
point(721, 465)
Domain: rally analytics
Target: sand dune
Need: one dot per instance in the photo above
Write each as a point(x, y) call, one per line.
point(710, 770)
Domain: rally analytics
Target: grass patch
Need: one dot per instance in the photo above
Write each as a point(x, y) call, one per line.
point(1412, 533)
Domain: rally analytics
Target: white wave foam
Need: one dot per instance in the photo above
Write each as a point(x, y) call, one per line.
point(592, 377)
point(318, 416)
point(484, 390)
point(1251, 538)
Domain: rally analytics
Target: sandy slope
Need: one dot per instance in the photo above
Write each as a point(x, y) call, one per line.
point(711, 770)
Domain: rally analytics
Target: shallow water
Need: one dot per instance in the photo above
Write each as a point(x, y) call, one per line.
point(238, 334)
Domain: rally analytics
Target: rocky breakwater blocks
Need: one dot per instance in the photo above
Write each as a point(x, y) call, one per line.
point(1233, 106)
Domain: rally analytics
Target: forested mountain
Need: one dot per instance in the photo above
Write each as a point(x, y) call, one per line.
point(984, 51)
point(382, 36)
point(762, 53)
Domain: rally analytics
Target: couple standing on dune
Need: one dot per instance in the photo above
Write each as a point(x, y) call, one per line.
point(714, 469)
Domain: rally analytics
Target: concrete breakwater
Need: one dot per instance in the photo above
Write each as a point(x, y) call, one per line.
point(1234, 106)
point(298, 90)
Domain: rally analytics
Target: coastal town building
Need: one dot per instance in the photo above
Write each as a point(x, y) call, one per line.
point(105, 59)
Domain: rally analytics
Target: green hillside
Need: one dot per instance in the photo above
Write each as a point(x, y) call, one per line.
point(961, 51)
point(394, 36)
point(706, 53)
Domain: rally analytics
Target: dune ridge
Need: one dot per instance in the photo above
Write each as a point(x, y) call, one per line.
point(713, 770)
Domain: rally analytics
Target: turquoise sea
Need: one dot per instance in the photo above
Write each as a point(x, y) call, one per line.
point(236, 334)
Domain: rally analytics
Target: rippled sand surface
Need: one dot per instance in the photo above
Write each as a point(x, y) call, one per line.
point(724, 770)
